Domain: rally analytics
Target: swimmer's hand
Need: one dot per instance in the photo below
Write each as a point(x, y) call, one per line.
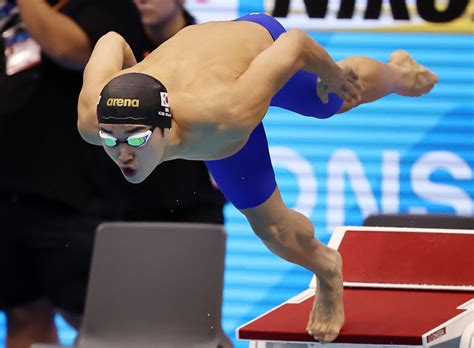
point(343, 81)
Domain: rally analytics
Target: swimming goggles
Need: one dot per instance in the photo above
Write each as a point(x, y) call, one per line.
point(136, 140)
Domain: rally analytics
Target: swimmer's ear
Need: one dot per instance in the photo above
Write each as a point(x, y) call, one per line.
point(322, 91)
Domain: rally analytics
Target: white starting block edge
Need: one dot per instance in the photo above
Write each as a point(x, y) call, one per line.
point(459, 326)
point(453, 328)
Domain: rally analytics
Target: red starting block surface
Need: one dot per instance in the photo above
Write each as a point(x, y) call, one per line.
point(403, 287)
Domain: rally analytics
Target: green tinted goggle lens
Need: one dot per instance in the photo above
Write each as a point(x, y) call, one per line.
point(137, 140)
point(109, 142)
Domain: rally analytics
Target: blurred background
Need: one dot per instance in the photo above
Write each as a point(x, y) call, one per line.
point(397, 155)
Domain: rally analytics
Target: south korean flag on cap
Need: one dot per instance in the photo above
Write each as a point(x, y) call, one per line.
point(164, 99)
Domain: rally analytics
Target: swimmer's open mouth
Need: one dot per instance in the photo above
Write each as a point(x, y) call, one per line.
point(129, 171)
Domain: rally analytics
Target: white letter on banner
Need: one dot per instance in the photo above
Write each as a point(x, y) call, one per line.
point(346, 162)
point(442, 193)
point(298, 165)
point(390, 182)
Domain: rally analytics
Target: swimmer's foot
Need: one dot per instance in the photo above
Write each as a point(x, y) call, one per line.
point(327, 315)
point(415, 79)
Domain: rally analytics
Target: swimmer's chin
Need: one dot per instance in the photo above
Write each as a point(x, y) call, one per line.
point(133, 177)
point(135, 180)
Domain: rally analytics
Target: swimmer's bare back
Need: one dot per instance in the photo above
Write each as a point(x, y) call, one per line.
point(200, 75)
point(198, 66)
point(216, 52)
point(220, 77)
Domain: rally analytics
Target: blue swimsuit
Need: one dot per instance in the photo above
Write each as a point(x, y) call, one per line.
point(247, 178)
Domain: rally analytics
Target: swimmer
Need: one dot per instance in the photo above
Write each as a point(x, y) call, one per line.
point(202, 96)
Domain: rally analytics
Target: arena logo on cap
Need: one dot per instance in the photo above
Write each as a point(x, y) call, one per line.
point(134, 103)
point(164, 99)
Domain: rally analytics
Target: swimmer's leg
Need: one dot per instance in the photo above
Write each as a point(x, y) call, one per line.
point(248, 181)
point(402, 75)
point(290, 235)
point(246, 178)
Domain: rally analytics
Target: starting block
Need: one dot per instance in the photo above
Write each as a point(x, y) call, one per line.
point(403, 287)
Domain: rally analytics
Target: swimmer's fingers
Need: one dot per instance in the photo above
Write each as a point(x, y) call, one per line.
point(322, 91)
point(344, 91)
point(351, 92)
point(349, 88)
point(358, 89)
point(355, 94)
point(353, 75)
point(353, 79)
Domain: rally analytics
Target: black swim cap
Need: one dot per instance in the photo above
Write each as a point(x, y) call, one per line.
point(134, 98)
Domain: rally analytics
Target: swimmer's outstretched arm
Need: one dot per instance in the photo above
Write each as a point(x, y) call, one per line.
point(111, 54)
point(272, 68)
